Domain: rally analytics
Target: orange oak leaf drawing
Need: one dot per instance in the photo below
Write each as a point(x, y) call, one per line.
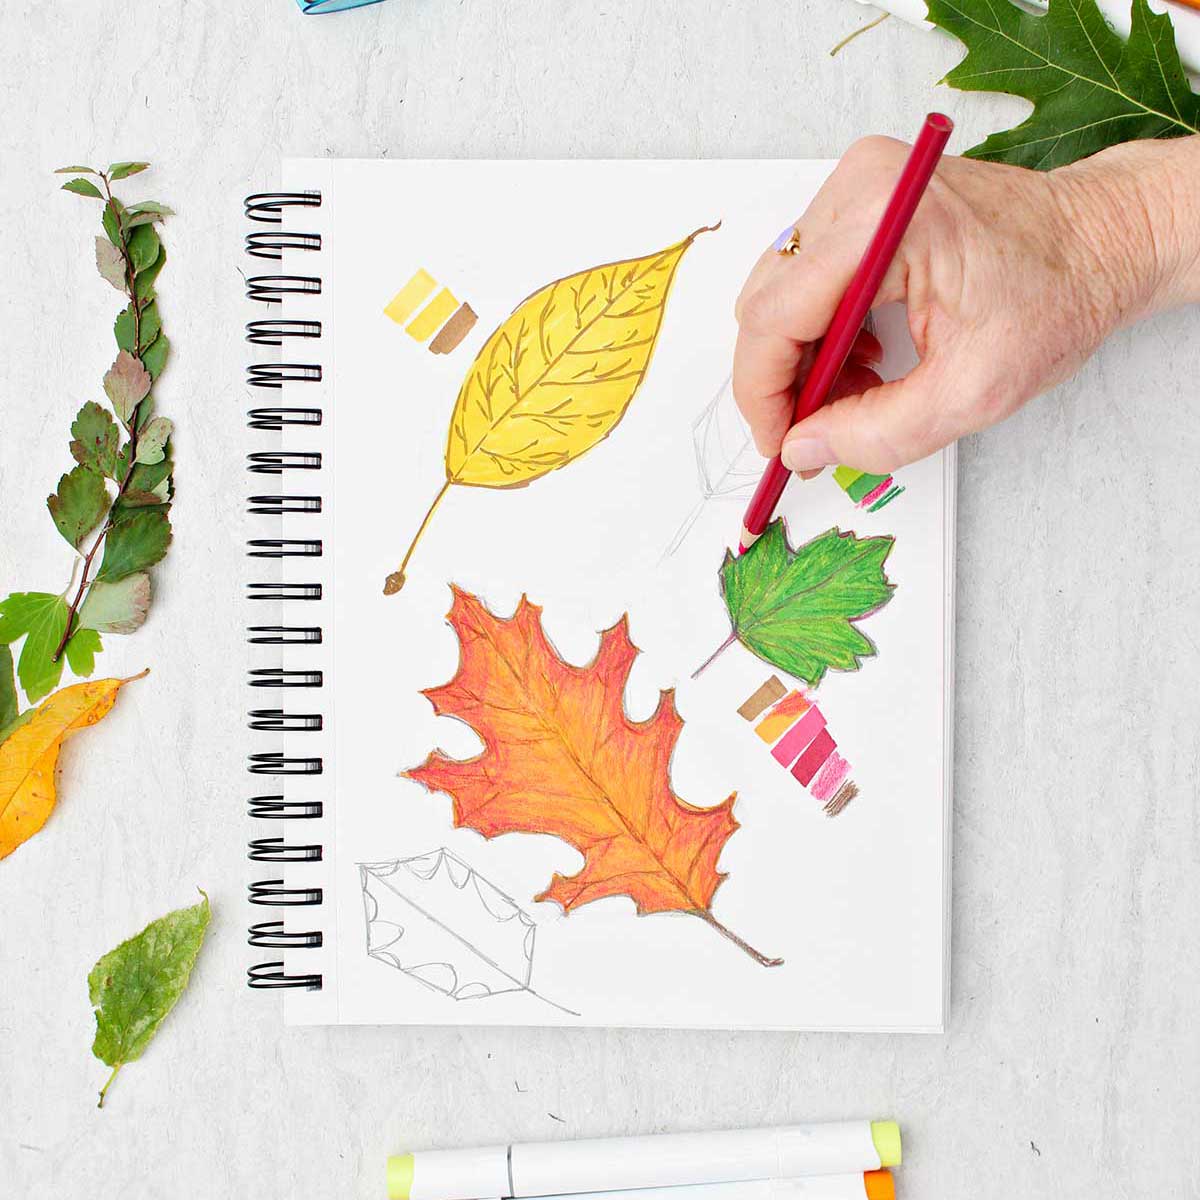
point(561, 756)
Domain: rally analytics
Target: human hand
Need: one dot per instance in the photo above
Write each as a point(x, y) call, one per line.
point(1011, 278)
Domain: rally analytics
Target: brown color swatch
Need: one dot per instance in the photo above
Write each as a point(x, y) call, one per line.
point(763, 698)
point(841, 798)
point(454, 330)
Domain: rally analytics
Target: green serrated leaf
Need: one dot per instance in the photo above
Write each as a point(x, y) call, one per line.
point(110, 263)
point(126, 384)
point(75, 171)
point(41, 619)
point(125, 329)
point(143, 247)
point(116, 607)
point(8, 690)
point(79, 504)
point(139, 537)
point(1090, 88)
point(152, 208)
point(151, 325)
point(135, 986)
point(111, 220)
point(83, 187)
point(96, 439)
point(148, 485)
point(143, 285)
point(122, 170)
point(81, 650)
point(155, 355)
point(797, 610)
point(152, 439)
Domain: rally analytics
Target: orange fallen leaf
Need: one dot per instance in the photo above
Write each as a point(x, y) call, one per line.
point(561, 757)
point(29, 756)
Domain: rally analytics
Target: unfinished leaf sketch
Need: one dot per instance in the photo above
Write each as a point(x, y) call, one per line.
point(555, 378)
point(803, 744)
point(798, 609)
point(438, 921)
point(561, 757)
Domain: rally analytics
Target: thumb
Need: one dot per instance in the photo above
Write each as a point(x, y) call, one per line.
point(882, 428)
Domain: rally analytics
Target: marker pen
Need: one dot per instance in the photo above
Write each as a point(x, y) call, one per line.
point(656, 1161)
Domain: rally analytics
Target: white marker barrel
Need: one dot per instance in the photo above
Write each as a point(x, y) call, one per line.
point(877, 1185)
point(665, 1160)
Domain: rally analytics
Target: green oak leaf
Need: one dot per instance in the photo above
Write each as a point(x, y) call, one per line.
point(96, 439)
point(8, 691)
point(121, 170)
point(41, 619)
point(83, 187)
point(79, 504)
point(110, 263)
point(115, 607)
point(126, 384)
point(797, 609)
point(81, 650)
point(139, 537)
point(134, 987)
point(1090, 87)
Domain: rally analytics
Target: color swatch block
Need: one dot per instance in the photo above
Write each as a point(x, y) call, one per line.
point(798, 737)
point(867, 491)
point(793, 705)
point(442, 315)
point(432, 317)
point(819, 749)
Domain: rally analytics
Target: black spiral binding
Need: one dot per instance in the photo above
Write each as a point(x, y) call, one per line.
point(271, 208)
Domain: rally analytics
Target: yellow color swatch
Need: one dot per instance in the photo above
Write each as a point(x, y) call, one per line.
point(404, 303)
point(793, 705)
point(431, 318)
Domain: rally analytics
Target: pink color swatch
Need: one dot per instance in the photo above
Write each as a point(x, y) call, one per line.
point(821, 747)
point(830, 777)
point(875, 493)
point(796, 738)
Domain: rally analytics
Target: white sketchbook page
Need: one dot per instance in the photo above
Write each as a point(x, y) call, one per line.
point(855, 904)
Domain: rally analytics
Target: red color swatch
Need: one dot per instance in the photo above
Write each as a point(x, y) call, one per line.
point(821, 747)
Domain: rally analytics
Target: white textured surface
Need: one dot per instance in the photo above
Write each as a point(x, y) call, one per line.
point(1076, 966)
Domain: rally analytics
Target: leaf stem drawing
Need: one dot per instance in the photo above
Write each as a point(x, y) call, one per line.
point(562, 757)
point(555, 378)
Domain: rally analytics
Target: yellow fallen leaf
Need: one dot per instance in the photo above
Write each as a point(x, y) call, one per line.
point(29, 756)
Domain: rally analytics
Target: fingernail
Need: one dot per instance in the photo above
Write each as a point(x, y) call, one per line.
point(782, 240)
point(805, 453)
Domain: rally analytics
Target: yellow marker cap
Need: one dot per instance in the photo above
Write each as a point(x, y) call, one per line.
point(400, 1176)
point(886, 1136)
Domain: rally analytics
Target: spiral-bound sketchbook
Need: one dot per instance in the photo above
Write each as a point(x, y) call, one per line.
point(533, 746)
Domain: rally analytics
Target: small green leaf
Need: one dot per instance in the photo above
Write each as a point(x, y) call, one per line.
point(143, 285)
point(111, 220)
point(79, 504)
point(96, 439)
point(139, 537)
point(134, 987)
point(81, 650)
point(151, 325)
point(125, 329)
point(155, 355)
point(116, 607)
point(8, 690)
point(110, 264)
point(75, 171)
point(148, 485)
point(797, 609)
point(83, 187)
point(126, 385)
point(41, 619)
point(151, 208)
point(122, 170)
point(143, 247)
point(151, 441)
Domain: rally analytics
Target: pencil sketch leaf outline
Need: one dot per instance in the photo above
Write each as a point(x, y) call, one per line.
point(493, 957)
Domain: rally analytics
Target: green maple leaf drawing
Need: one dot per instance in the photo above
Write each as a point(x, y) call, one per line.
point(1090, 87)
point(796, 609)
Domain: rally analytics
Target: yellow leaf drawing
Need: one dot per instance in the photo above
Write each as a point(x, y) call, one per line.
point(29, 756)
point(555, 377)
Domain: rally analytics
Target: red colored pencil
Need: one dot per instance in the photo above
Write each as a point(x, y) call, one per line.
point(852, 311)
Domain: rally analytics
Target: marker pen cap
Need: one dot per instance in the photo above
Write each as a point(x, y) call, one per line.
point(886, 1136)
point(879, 1185)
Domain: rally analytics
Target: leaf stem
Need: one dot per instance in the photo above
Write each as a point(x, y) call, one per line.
point(395, 581)
point(108, 1084)
point(879, 20)
point(760, 958)
point(131, 445)
point(718, 651)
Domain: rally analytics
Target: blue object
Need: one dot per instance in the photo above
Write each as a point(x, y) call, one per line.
point(328, 6)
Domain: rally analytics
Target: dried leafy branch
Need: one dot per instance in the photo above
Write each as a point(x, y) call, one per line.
point(113, 506)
